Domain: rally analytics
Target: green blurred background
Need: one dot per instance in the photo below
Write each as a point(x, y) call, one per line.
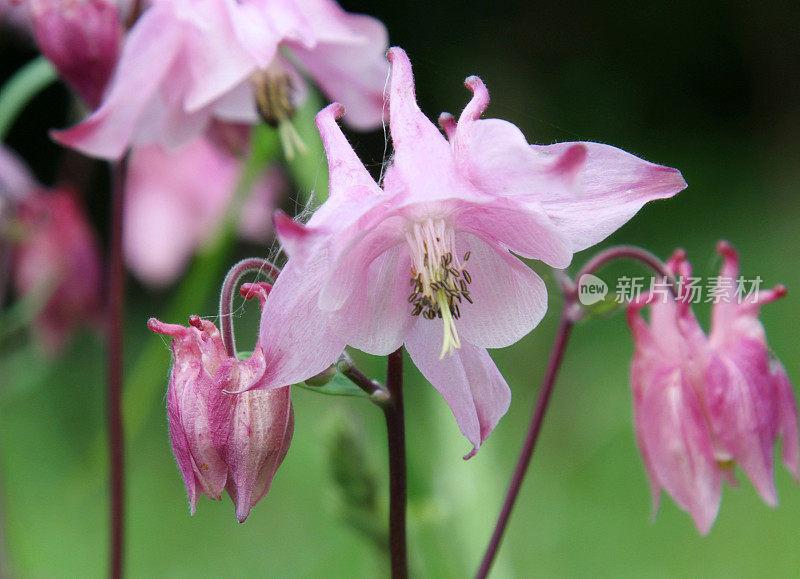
point(712, 88)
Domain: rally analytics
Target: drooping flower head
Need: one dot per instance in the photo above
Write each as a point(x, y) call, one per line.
point(175, 200)
point(223, 441)
point(702, 404)
point(426, 261)
point(185, 62)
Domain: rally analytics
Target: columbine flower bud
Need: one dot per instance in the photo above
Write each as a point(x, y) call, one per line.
point(82, 39)
point(221, 440)
point(702, 404)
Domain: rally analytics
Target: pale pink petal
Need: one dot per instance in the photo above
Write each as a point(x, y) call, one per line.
point(743, 410)
point(615, 186)
point(679, 446)
point(348, 261)
point(588, 189)
point(353, 72)
point(147, 57)
point(16, 180)
point(788, 419)
point(237, 105)
point(173, 202)
point(527, 231)
point(255, 221)
point(421, 154)
point(217, 61)
point(299, 340)
point(509, 298)
point(468, 380)
point(257, 30)
point(352, 188)
point(377, 316)
point(158, 239)
point(497, 157)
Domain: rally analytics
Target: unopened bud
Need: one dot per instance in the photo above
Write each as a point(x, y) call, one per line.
point(323, 377)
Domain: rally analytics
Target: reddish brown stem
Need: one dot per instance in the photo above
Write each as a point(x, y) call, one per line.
point(395, 427)
point(114, 328)
point(229, 291)
point(525, 455)
point(571, 313)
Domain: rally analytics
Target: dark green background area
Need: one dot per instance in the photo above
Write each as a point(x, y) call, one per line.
point(712, 88)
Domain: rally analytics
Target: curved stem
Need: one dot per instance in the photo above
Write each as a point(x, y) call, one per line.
point(571, 313)
point(525, 455)
point(114, 327)
point(26, 83)
point(627, 252)
point(229, 290)
point(395, 428)
point(367, 384)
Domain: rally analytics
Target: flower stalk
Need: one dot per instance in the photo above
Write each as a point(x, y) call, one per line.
point(390, 399)
point(114, 326)
point(395, 428)
point(229, 291)
point(571, 313)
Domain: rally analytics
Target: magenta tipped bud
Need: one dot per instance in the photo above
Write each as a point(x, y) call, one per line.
point(224, 440)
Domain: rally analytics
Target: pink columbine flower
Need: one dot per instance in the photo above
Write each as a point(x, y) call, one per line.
point(223, 441)
point(175, 201)
point(82, 39)
point(427, 260)
point(57, 258)
point(703, 405)
point(185, 62)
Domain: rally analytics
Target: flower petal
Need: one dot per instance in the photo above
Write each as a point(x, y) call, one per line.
point(788, 419)
point(149, 52)
point(588, 189)
point(525, 230)
point(260, 433)
point(217, 61)
point(468, 380)
point(351, 69)
point(509, 299)
point(378, 314)
point(422, 155)
point(299, 340)
point(744, 413)
point(615, 186)
point(679, 446)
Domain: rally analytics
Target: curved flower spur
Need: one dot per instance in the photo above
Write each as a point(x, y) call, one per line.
point(426, 261)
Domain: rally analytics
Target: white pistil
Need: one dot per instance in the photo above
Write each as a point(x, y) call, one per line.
point(438, 279)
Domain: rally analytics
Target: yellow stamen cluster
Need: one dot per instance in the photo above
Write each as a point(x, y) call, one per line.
point(438, 279)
